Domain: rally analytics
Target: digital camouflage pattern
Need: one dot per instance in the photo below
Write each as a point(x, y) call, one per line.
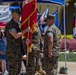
point(51, 64)
point(13, 50)
point(34, 56)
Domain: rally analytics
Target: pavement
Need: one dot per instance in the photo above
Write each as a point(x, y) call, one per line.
point(70, 65)
point(23, 69)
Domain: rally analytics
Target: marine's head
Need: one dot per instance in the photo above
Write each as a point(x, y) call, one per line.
point(49, 19)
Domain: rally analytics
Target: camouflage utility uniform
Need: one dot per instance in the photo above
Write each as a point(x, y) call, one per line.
point(13, 51)
point(33, 57)
point(51, 64)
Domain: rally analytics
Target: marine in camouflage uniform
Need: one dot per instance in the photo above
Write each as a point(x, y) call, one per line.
point(13, 52)
point(33, 58)
point(14, 43)
point(51, 63)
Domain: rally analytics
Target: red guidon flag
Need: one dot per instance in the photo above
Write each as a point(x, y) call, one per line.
point(29, 18)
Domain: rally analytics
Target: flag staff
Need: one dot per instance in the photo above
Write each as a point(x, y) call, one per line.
point(28, 44)
point(66, 18)
point(65, 32)
point(63, 69)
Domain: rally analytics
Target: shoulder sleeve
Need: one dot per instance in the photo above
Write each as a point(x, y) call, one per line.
point(49, 34)
point(10, 27)
point(12, 30)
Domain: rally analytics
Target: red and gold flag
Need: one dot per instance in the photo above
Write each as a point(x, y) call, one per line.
point(29, 18)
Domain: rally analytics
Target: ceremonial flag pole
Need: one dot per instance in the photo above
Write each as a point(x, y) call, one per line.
point(27, 44)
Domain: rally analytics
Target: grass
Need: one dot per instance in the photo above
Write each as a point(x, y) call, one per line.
point(70, 57)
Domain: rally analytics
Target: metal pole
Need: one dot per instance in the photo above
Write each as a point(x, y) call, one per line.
point(65, 36)
point(63, 70)
point(66, 18)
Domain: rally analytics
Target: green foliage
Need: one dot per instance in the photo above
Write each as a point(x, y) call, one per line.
point(70, 57)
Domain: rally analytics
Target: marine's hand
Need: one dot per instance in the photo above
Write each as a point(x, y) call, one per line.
point(30, 50)
point(27, 41)
point(28, 29)
point(24, 57)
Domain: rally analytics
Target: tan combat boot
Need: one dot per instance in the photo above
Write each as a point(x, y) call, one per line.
point(41, 71)
point(37, 73)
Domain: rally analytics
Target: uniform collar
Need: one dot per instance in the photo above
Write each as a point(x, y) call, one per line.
point(13, 20)
point(52, 25)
